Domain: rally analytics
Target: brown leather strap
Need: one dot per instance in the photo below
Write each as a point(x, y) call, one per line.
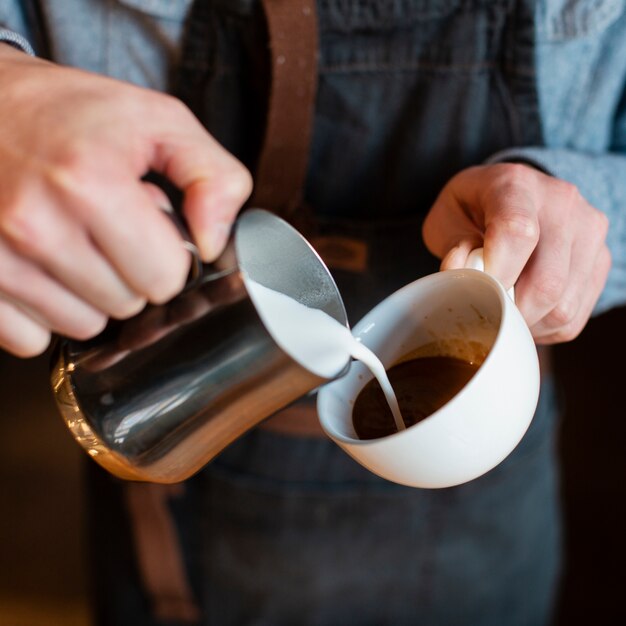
point(282, 166)
point(279, 181)
point(158, 552)
point(298, 420)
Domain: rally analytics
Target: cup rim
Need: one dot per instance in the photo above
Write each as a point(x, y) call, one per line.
point(432, 278)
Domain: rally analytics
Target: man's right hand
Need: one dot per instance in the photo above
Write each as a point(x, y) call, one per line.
point(81, 236)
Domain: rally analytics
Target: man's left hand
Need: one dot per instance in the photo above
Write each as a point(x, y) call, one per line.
point(538, 233)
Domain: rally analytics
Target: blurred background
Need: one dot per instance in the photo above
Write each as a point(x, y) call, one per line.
point(43, 553)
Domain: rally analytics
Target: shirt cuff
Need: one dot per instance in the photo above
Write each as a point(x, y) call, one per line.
point(15, 40)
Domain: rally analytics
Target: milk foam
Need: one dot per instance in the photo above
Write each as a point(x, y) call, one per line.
point(316, 340)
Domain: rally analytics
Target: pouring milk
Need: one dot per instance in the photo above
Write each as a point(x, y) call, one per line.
point(316, 339)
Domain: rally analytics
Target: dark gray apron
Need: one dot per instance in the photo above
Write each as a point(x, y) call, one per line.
point(409, 93)
point(286, 530)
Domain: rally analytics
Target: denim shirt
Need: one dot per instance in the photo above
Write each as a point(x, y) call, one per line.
point(581, 72)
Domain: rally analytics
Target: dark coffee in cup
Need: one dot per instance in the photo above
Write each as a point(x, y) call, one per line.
point(422, 385)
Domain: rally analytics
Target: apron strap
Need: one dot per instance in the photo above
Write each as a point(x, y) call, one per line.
point(158, 552)
point(282, 166)
point(279, 182)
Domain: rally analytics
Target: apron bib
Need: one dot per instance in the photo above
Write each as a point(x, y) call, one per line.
point(408, 94)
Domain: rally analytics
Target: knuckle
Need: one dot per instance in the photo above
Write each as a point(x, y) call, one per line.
point(519, 226)
point(14, 223)
point(236, 182)
point(33, 348)
point(129, 307)
point(567, 333)
point(68, 161)
point(20, 228)
point(515, 174)
point(549, 290)
point(27, 344)
point(89, 326)
point(163, 293)
point(600, 224)
point(569, 191)
point(169, 283)
point(170, 105)
point(605, 260)
point(72, 177)
point(32, 233)
point(510, 180)
point(563, 316)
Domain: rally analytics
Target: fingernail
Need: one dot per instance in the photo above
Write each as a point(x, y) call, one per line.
point(214, 240)
point(165, 205)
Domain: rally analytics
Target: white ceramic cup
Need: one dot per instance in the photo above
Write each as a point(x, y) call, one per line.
point(462, 313)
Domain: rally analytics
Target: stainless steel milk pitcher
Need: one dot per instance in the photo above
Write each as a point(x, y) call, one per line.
point(157, 396)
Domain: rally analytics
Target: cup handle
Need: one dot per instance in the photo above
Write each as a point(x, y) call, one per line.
point(475, 261)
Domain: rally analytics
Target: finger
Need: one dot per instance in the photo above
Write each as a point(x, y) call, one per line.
point(215, 184)
point(547, 278)
point(511, 230)
point(448, 225)
point(571, 324)
point(55, 241)
point(497, 201)
point(163, 202)
point(457, 256)
point(19, 334)
point(558, 281)
point(158, 196)
point(46, 301)
point(141, 243)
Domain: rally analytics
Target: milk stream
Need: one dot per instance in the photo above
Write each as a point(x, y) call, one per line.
point(316, 340)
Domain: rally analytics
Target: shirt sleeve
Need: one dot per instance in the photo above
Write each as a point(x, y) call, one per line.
point(601, 179)
point(16, 40)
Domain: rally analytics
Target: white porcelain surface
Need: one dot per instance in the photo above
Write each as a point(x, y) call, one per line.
point(451, 313)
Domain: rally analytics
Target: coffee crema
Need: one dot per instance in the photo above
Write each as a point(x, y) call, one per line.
point(421, 385)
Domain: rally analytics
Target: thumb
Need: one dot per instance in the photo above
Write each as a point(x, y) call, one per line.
point(214, 183)
point(492, 206)
point(449, 232)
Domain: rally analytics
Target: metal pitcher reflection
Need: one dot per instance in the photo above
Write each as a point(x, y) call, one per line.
point(157, 396)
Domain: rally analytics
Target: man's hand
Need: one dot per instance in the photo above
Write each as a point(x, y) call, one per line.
point(81, 236)
point(538, 233)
